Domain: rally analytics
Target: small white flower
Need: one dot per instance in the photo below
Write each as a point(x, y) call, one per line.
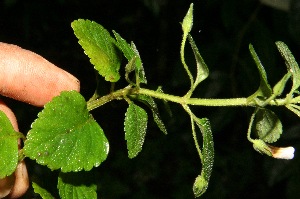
point(282, 152)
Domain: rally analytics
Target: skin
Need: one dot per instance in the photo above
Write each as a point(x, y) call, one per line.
point(27, 77)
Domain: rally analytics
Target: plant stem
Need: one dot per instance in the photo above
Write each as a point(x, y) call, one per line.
point(127, 91)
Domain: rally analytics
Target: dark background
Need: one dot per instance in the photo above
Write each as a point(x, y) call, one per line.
point(168, 165)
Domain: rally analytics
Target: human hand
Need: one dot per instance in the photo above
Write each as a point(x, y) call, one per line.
point(27, 77)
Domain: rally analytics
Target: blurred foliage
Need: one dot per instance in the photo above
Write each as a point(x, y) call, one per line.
point(168, 165)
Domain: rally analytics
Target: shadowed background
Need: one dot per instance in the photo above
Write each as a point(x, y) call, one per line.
point(168, 165)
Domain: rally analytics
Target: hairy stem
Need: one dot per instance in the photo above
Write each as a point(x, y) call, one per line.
point(127, 91)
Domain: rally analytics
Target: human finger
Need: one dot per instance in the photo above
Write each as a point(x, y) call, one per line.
point(17, 183)
point(28, 77)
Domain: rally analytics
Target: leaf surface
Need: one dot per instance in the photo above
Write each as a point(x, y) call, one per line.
point(264, 89)
point(131, 53)
point(41, 191)
point(135, 129)
point(291, 64)
point(76, 186)
point(100, 48)
point(268, 125)
point(202, 69)
point(201, 182)
point(65, 136)
point(149, 101)
point(8, 147)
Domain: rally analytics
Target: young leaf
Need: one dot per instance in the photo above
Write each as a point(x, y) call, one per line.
point(202, 69)
point(201, 182)
point(290, 63)
point(149, 101)
point(140, 72)
point(187, 22)
point(131, 52)
point(99, 46)
point(65, 136)
point(75, 185)
point(135, 129)
point(126, 49)
point(268, 126)
point(8, 147)
point(279, 87)
point(42, 192)
point(264, 89)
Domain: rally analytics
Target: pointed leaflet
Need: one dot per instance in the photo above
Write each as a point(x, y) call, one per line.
point(264, 89)
point(131, 53)
point(202, 69)
point(135, 129)
point(99, 46)
point(42, 192)
point(268, 126)
point(149, 101)
point(76, 186)
point(65, 136)
point(290, 63)
point(8, 147)
point(201, 182)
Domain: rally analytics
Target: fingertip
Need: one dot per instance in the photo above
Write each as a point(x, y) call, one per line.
point(11, 116)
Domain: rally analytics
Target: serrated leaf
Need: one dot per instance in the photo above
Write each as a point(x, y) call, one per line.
point(201, 182)
point(264, 89)
point(202, 69)
point(99, 46)
point(268, 126)
point(131, 53)
point(41, 191)
point(135, 129)
point(8, 147)
point(291, 63)
point(65, 136)
point(75, 185)
point(149, 101)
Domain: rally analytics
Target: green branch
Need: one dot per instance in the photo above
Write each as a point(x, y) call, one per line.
point(127, 91)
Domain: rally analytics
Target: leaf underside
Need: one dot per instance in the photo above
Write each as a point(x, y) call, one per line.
point(135, 129)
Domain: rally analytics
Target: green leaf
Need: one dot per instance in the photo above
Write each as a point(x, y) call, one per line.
point(42, 192)
point(264, 89)
point(201, 182)
point(100, 48)
point(268, 126)
point(200, 186)
point(76, 185)
point(187, 22)
point(202, 69)
point(149, 101)
point(279, 87)
point(135, 129)
point(8, 147)
point(291, 64)
point(65, 136)
point(131, 53)
point(261, 147)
